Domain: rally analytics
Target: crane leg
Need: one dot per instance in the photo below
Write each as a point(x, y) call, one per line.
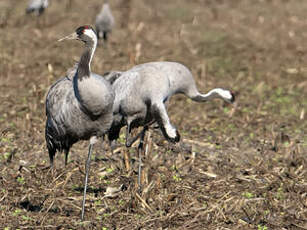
point(140, 151)
point(160, 114)
point(130, 141)
point(126, 153)
point(105, 35)
point(111, 146)
point(128, 130)
point(87, 169)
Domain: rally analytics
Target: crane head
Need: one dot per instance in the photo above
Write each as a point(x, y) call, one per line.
point(83, 33)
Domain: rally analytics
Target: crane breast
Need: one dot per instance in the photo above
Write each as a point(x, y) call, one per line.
point(96, 95)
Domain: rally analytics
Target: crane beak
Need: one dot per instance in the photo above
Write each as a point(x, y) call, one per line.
point(69, 37)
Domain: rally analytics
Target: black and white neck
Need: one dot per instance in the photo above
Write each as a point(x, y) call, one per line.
point(89, 37)
point(226, 95)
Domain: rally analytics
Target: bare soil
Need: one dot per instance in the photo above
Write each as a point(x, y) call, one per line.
point(240, 166)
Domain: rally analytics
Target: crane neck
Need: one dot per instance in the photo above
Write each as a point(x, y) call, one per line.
point(105, 8)
point(81, 89)
point(84, 67)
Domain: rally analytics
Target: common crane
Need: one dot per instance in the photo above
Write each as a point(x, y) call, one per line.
point(104, 22)
point(37, 6)
point(141, 94)
point(78, 106)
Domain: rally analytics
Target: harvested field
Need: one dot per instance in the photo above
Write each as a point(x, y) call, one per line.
point(240, 166)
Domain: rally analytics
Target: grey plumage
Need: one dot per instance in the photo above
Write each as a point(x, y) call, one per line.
point(37, 6)
point(142, 91)
point(141, 96)
point(68, 122)
point(104, 22)
point(111, 76)
point(78, 106)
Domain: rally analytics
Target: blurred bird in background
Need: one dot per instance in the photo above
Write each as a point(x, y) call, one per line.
point(104, 21)
point(37, 7)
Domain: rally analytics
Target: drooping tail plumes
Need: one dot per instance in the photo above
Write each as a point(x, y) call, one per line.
point(51, 144)
point(56, 142)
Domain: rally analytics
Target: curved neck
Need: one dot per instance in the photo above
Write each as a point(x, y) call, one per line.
point(84, 67)
point(84, 72)
point(104, 7)
point(214, 93)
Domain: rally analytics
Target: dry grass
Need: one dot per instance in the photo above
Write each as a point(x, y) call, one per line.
point(237, 167)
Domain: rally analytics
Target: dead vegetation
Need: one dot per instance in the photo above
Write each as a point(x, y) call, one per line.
point(237, 167)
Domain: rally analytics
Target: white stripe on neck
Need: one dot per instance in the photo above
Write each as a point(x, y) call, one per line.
point(90, 33)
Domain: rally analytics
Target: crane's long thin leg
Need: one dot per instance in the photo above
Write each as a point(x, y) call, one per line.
point(130, 141)
point(126, 154)
point(87, 168)
point(128, 130)
point(160, 113)
point(111, 147)
point(140, 151)
point(105, 35)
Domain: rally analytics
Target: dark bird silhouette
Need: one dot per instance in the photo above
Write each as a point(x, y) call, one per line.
point(78, 106)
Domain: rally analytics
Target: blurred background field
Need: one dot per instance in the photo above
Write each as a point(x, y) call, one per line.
point(240, 166)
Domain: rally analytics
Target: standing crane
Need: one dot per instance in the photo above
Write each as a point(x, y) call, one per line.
point(141, 94)
point(79, 106)
point(104, 22)
point(37, 6)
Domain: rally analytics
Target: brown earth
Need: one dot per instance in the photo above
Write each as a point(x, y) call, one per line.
point(240, 166)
